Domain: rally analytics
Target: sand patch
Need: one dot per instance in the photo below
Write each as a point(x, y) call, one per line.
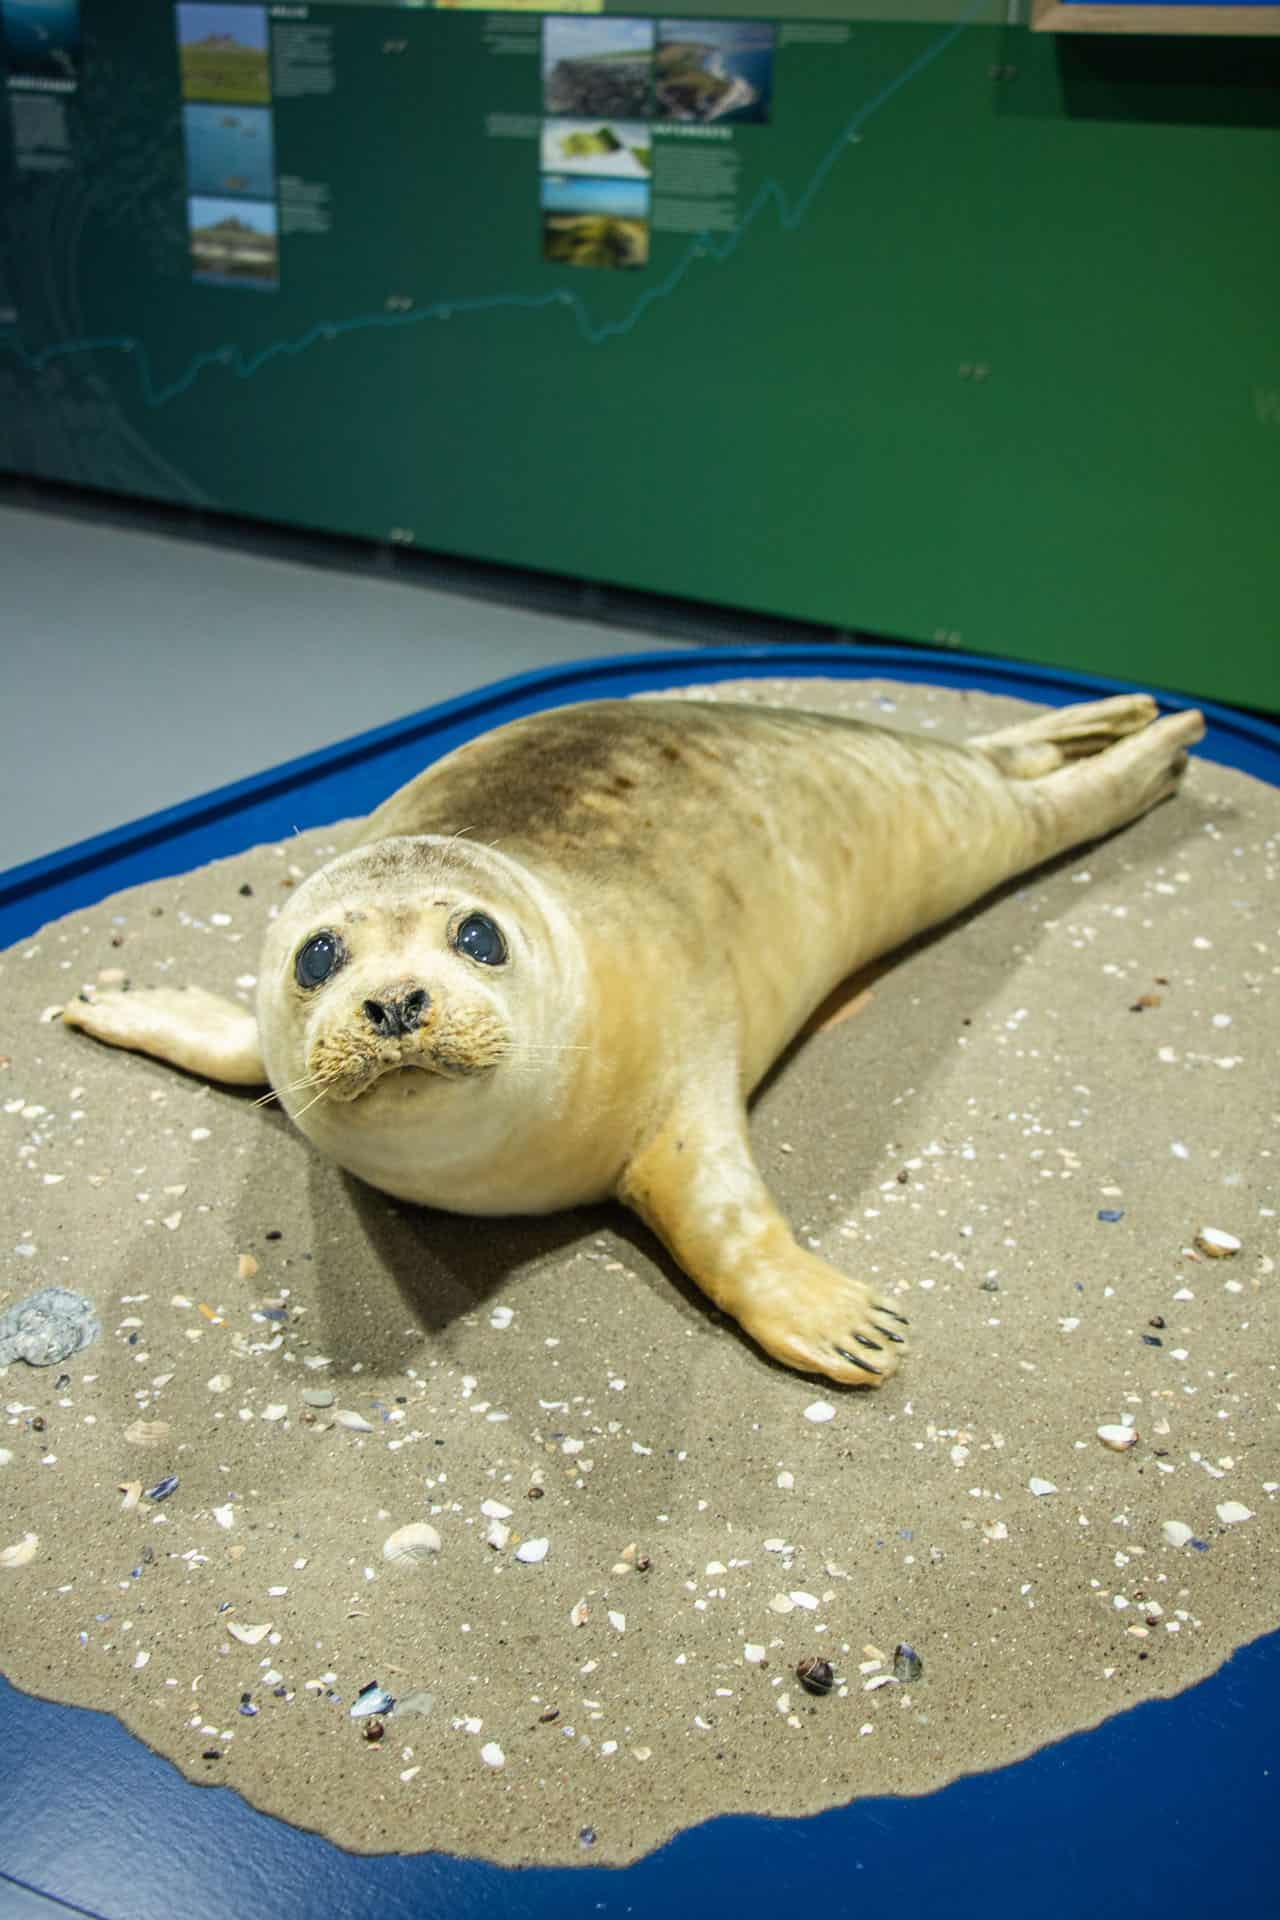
point(1020, 1137)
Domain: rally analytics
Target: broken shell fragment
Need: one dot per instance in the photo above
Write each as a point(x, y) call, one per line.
point(1118, 1438)
point(249, 1636)
point(344, 1417)
point(371, 1699)
point(411, 1544)
point(22, 1553)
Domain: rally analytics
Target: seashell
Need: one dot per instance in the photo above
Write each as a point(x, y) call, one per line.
point(317, 1397)
point(147, 1433)
point(163, 1488)
point(1040, 1487)
point(579, 1614)
point(1232, 1512)
point(1217, 1244)
point(907, 1664)
point(249, 1636)
point(22, 1553)
point(532, 1551)
point(412, 1544)
point(492, 1755)
point(819, 1411)
point(815, 1675)
point(224, 1516)
point(1119, 1439)
point(371, 1699)
point(1176, 1532)
point(497, 1535)
point(344, 1417)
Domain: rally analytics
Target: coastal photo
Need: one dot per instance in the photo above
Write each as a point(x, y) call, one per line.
point(617, 148)
point(719, 70)
point(597, 66)
point(594, 223)
point(234, 243)
point(223, 53)
point(229, 150)
point(41, 39)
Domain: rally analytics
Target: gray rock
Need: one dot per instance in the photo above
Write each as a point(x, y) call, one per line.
point(47, 1327)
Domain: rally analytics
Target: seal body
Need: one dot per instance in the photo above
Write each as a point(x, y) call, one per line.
point(551, 969)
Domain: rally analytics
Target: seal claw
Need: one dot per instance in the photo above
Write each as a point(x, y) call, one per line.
point(854, 1361)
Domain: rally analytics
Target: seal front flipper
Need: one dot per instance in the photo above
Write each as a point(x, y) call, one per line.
point(192, 1029)
point(696, 1185)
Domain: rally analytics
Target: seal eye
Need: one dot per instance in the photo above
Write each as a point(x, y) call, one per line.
point(321, 956)
point(480, 940)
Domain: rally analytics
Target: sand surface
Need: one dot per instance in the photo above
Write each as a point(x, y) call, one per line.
point(1097, 1042)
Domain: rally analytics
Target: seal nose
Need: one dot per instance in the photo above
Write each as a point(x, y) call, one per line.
point(390, 1018)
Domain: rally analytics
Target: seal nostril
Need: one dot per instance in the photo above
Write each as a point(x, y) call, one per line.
point(412, 1008)
point(383, 1019)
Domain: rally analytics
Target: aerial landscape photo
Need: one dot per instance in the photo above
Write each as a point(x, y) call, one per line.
point(229, 150)
point(594, 223)
point(713, 70)
point(234, 243)
point(597, 66)
point(618, 148)
point(223, 53)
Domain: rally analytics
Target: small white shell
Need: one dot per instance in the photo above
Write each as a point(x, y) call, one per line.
point(1040, 1487)
point(411, 1544)
point(1176, 1532)
point(1217, 1244)
point(146, 1433)
point(249, 1636)
point(344, 1417)
point(1232, 1512)
point(1119, 1439)
point(819, 1411)
point(492, 1755)
point(21, 1553)
point(532, 1551)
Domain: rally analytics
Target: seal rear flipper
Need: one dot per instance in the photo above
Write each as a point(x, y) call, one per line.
point(185, 1026)
point(696, 1185)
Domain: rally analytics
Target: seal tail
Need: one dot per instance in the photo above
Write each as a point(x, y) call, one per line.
point(1032, 748)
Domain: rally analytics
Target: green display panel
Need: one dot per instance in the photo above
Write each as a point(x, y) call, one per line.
point(931, 327)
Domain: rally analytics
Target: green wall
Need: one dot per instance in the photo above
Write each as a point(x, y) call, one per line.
point(990, 354)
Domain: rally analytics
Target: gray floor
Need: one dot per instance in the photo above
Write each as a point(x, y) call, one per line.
point(143, 668)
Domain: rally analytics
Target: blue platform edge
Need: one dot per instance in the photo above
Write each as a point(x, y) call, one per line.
point(1165, 1810)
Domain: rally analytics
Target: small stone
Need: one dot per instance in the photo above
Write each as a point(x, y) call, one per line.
point(1110, 1213)
point(754, 1654)
point(819, 1411)
point(317, 1397)
point(1118, 1438)
point(579, 1614)
point(500, 1319)
point(48, 1326)
point(1040, 1487)
point(356, 1422)
point(492, 1755)
point(374, 1730)
point(547, 1715)
point(497, 1535)
point(815, 1675)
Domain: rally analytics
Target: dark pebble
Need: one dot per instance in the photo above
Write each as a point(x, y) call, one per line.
point(907, 1664)
point(37, 1424)
point(535, 1493)
point(63, 1380)
point(212, 1753)
point(1152, 1340)
point(815, 1675)
point(274, 1233)
point(374, 1730)
point(586, 1836)
point(1156, 1320)
point(246, 891)
point(547, 1715)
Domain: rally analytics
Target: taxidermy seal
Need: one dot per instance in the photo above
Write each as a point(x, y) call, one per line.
point(551, 969)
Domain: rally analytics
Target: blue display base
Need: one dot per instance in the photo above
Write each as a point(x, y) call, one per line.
point(1165, 1810)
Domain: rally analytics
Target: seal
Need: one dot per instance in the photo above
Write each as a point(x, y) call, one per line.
point(551, 969)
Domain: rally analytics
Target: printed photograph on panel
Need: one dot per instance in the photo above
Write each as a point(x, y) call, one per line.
point(618, 148)
point(597, 67)
point(229, 150)
point(223, 53)
point(594, 223)
point(234, 243)
point(718, 70)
